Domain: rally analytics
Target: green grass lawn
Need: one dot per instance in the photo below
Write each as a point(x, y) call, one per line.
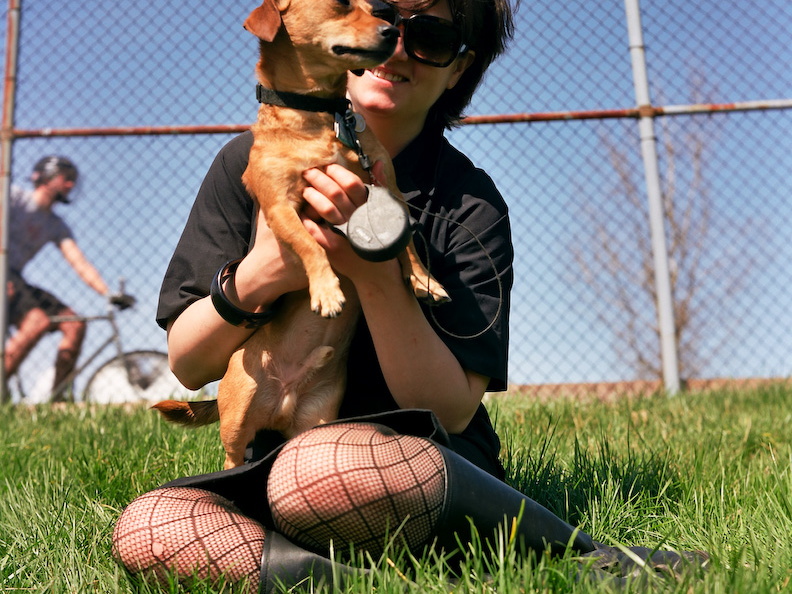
point(705, 471)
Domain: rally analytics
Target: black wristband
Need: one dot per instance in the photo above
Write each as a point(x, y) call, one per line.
point(230, 312)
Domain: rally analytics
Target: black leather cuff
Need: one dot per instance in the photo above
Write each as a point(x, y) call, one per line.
point(230, 312)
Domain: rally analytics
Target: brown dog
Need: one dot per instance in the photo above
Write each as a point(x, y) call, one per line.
point(290, 375)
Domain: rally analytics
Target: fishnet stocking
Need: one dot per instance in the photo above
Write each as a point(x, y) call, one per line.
point(188, 533)
point(356, 483)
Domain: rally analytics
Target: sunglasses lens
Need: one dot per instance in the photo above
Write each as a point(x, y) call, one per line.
point(431, 40)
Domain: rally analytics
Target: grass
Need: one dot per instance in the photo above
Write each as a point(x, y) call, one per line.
point(708, 471)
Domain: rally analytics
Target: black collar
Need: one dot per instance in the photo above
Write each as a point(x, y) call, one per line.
point(303, 102)
point(341, 107)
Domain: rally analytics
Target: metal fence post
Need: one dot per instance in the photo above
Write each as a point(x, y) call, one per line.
point(665, 305)
point(6, 144)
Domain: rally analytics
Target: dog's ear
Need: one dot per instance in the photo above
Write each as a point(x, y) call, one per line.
point(265, 20)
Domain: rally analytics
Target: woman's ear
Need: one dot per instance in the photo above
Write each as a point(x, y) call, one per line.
point(462, 63)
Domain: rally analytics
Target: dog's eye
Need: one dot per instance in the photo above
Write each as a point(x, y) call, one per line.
point(343, 2)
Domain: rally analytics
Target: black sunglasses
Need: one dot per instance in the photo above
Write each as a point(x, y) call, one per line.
point(429, 39)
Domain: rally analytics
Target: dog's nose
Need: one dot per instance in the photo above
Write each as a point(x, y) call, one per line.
point(388, 32)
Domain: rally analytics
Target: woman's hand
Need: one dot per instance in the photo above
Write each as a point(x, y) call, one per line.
point(268, 271)
point(333, 193)
point(331, 197)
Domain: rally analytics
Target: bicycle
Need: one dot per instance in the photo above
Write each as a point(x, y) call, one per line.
point(134, 376)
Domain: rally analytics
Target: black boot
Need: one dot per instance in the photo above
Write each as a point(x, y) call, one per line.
point(472, 494)
point(285, 565)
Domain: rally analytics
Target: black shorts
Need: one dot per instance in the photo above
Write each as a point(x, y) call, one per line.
point(23, 297)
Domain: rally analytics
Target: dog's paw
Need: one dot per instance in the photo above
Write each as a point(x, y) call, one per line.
point(328, 306)
point(427, 290)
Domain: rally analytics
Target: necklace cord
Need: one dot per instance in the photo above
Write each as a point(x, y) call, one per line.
point(492, 265)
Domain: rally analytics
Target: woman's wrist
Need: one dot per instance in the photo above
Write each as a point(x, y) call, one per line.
point(379, 278)
point(234, 310)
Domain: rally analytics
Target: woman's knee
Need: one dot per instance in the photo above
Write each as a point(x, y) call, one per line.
point(357, 484)
point(187, 533)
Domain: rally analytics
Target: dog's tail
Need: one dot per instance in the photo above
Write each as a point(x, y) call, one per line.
point(192, 414)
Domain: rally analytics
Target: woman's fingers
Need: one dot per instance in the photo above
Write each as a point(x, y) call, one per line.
point(334, 192)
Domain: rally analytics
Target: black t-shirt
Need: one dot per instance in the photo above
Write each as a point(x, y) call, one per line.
point(463, 236)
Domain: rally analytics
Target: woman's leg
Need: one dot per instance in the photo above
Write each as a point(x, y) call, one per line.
point(189, 533)
point(341, 484)
point(356, 484)
point(184, 533)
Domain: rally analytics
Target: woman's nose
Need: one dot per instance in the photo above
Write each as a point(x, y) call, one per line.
point(399, 52)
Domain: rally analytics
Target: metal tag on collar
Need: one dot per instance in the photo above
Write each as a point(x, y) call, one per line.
point(347, 127)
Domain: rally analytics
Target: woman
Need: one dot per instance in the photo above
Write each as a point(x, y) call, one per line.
point(426, 456)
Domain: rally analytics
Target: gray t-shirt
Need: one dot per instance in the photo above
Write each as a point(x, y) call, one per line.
point(30, 229)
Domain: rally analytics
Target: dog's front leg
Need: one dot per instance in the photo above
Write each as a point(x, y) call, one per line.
point(327, 299)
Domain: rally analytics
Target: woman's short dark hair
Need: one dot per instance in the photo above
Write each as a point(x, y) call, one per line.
point(487, 27)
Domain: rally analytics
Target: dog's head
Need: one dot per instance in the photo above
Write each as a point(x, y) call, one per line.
point(350, 34)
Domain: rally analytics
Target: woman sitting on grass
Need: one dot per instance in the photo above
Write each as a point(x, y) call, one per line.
point(414, 452)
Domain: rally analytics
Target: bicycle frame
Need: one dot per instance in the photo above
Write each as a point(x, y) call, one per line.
point(114, 338)
point(125, 376)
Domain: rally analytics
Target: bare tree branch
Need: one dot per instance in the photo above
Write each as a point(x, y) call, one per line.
point(615, 259)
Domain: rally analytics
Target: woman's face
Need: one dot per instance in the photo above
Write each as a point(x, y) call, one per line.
point(403, 89)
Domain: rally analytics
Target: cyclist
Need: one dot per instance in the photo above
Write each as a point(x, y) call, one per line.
point(32, 224)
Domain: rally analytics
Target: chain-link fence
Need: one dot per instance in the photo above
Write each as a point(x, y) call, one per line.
point(106, 83)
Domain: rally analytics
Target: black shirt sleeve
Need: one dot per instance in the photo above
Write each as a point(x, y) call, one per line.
point(217, 230)
point(472, 255)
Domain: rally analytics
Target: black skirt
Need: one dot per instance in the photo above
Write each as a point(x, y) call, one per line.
point(246, 485)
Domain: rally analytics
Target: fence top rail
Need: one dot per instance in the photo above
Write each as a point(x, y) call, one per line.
point(513, 118)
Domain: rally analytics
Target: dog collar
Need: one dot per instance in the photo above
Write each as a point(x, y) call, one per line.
point(302, 102)
point(347, 123)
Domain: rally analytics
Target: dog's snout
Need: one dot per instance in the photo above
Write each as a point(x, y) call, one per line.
point(388, 32)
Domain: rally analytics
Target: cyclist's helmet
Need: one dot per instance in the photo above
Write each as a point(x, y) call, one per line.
point(48, 167)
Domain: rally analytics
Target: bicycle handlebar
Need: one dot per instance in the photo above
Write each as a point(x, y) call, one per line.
point(121, 301)
point(118, 300)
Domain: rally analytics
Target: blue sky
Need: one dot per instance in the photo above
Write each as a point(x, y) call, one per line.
point(101, 63)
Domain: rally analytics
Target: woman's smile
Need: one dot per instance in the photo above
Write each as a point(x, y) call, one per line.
point(388, 75)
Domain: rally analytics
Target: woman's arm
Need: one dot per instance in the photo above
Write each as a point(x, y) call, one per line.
point(420, 370)
point(200, 342)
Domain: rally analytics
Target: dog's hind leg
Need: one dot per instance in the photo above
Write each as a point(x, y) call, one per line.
point(236, 396)
point(236, 432)
point(306, 403)
point(418, 278)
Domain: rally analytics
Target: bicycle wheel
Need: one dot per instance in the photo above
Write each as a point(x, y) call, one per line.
point(135, 377)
